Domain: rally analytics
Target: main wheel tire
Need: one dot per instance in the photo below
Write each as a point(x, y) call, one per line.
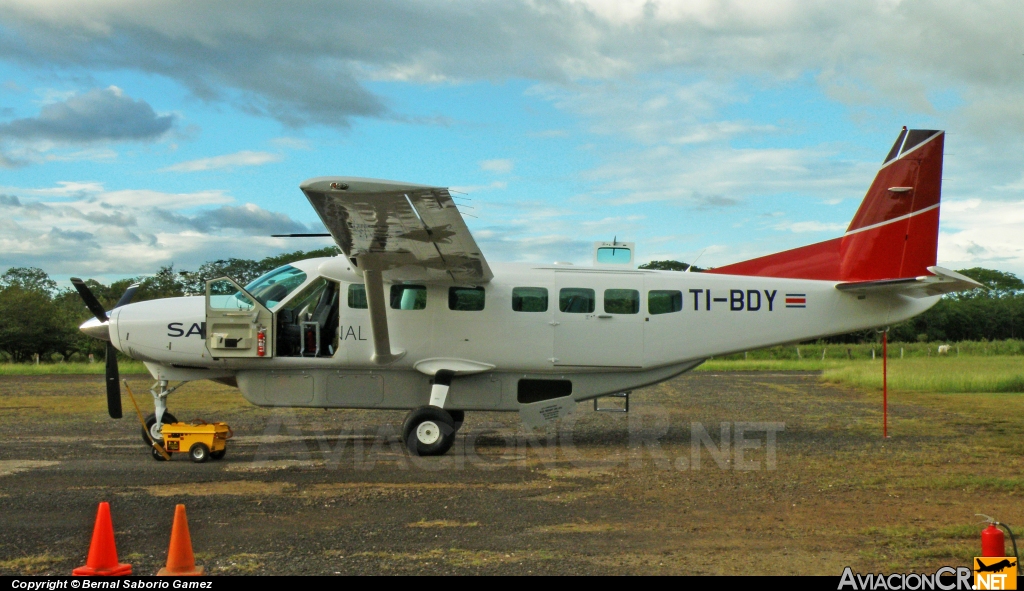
point(199, 453)
point(458, 417)
point(157, 456)
point(216, 455)
point(151, 426)
point(428, 431)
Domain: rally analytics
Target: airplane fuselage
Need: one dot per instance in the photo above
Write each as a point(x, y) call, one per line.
point(602, 330)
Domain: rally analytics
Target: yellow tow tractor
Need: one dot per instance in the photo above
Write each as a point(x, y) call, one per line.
point(201, 440)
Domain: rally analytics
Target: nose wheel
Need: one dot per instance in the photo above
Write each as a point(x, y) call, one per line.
point(155, 428)
point(429, 431)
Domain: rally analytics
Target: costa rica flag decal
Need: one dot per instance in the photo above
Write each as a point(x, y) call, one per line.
point(796, 300)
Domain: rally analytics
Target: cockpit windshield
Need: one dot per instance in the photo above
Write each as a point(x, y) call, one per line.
point(272, 288)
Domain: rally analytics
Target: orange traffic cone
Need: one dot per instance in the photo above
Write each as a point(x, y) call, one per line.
point(102, 559)
point(180, 560)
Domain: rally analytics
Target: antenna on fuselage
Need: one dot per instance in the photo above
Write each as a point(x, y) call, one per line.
point(688, 269)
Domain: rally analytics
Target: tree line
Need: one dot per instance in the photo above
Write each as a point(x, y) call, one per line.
point(38, 318)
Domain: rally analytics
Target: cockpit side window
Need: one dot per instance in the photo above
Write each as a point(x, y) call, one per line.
point(273, 287)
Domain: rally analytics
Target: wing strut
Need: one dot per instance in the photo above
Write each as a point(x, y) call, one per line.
point(374, 281)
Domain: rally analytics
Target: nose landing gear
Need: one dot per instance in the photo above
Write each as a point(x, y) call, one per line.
point(156, 421)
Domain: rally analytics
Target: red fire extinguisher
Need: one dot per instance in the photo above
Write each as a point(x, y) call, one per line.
point(261, 345)
point(994, 544)
point(992, 541)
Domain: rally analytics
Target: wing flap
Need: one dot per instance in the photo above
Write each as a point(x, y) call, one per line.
point(410, 232)
point(942, 281)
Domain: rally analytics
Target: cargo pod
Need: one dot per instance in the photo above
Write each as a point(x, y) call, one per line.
point(237, 324)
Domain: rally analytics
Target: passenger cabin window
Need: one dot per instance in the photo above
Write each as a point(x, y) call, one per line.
point(621, 301)
point(274, 287)
point(576, 300)
point(530, 299)
point(466, 299)
point(408, 297)
point(664, 301)
point(613, 256)
point(357, 296)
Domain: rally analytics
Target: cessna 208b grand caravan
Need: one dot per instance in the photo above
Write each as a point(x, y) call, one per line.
point(411, 316)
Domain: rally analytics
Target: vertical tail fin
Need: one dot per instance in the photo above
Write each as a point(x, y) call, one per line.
point(894, 233)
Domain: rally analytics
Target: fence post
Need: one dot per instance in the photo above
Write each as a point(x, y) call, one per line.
point(885, 384)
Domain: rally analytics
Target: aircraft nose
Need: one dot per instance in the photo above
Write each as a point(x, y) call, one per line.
point(96, 329)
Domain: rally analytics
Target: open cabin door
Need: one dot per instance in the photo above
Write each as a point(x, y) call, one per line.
point(237, 324)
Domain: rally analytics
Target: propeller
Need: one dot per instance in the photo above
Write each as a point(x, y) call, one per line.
point(112, 376)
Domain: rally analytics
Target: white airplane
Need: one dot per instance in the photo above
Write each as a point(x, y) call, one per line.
point(413, 317)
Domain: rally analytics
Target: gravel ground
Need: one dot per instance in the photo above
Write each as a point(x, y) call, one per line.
point(688, 482)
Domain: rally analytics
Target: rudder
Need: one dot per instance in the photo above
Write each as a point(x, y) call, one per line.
point(896, 229)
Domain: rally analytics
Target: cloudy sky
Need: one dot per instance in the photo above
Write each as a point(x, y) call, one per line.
point(133, 135)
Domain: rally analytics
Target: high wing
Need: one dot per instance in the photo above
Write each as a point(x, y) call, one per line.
point(940, 282)
point(408, 232)
point(398, 232)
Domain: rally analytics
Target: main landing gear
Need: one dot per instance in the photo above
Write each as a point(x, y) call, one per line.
point(155, 422)
point(430, 430)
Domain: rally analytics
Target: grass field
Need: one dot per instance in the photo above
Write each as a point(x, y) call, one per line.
point(28, 369)
point(950, 375)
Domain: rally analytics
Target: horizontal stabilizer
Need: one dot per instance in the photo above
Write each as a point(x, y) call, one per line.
point(942, 281)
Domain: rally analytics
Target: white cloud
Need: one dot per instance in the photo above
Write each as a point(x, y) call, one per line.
point(800, 227)
point(655, 81)
point(243, 158)
point(150, 198)
point(306, 63)
point(982, 232)
point(499, 166)
point(722, 177)
point(101, 114)
point(63, 188)
point(92, 154)
point(81, 228)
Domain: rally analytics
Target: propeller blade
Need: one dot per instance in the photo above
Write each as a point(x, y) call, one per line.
point(90, 300)
point(113, 384)
point(126, 298)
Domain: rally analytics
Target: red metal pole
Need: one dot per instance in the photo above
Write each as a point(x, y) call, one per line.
point(885, 384)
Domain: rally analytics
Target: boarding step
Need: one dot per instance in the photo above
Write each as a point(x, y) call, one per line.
point(618, 402)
